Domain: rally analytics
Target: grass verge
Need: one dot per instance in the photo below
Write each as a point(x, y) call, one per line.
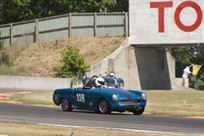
point(182, 103)
point(36, 98)
point(9, 70)
point(18, 129)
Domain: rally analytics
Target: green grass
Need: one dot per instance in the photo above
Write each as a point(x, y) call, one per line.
point(9, 70)
point(184, 103)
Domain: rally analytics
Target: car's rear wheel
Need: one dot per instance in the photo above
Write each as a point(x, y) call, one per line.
point(103, 107)
point(66, 104)
point(139, 111)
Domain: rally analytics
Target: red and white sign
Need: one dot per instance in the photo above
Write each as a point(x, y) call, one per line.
point(166, 21)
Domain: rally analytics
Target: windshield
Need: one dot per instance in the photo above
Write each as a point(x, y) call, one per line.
point(110, 82)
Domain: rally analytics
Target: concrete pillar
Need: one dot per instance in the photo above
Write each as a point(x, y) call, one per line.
point(153, 68)
point(133, 75)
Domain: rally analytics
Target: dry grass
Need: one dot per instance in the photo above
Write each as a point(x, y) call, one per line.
point(184, 103)
point(22, 129)
point(43, 98)
point(176, 102)
point(43, 57)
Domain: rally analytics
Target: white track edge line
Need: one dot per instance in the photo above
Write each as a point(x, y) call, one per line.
point(106, 128)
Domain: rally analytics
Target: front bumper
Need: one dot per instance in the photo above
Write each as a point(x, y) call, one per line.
point(128, 105)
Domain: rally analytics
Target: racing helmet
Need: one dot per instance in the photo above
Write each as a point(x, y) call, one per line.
point(99, 82)
point(112, 74)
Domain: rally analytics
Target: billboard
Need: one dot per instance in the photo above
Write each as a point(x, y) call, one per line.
point(166, 21)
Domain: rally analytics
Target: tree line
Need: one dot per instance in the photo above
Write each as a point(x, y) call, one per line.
point(18, 10)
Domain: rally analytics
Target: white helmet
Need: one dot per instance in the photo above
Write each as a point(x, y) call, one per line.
point(99, 82)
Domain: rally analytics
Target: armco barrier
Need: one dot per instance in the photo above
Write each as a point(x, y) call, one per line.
point(33, 83)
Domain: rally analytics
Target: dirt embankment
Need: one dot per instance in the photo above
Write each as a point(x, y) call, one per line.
point(39, 59)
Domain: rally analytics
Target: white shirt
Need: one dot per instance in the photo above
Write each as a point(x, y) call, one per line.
point(186, 72)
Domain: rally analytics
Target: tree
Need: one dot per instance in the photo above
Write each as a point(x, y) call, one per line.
point(187, 56)
point(19, 10)
point(105, 5)
point(73, 65)
point(122, 5)
point(183, 58)
point(14, 10)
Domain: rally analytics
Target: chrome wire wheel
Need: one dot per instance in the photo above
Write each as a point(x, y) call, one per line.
point(66, 105)
point(103, 107)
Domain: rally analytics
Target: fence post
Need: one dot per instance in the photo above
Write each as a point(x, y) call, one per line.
point(70, 25)
point(126, 24)
point(11, 34)
point(95, 24)
point(36, 30)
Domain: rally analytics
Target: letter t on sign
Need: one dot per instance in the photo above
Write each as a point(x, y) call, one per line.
point(161, 6)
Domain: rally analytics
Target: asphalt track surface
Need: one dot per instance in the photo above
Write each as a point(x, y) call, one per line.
point(35, 114)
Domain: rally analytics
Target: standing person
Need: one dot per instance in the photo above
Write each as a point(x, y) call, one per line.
point(112, 80)
point(186, 73)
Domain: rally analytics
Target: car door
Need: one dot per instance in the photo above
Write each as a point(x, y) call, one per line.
point(81, 98)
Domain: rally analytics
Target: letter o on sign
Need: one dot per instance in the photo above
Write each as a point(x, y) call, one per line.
point(198, 21)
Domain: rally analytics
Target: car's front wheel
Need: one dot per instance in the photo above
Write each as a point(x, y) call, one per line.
point(139, 111)
point(103, 107)
point(66, 104)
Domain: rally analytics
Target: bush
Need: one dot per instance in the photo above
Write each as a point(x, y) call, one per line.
point(4, 58)
point(73, 65)
point(1, 46)
point(197, 82)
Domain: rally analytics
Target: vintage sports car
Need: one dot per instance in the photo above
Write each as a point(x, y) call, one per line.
point(100, 99)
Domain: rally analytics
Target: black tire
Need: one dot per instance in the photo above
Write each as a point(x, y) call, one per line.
point(103, 107)
point(139, 111)
point(56, 99)
point(66, 104)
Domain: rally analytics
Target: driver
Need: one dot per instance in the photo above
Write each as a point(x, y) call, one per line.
point(99, 82)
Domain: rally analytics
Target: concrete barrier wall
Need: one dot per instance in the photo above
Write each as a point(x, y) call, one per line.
point(178, 84)
point(33, 83)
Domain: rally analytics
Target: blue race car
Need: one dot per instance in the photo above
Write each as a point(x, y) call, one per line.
point(100, 99)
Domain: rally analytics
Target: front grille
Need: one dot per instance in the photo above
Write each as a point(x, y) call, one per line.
point(128, 103)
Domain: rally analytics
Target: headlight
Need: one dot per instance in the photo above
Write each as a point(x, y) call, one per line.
point(144, 97)
point(115, 97)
